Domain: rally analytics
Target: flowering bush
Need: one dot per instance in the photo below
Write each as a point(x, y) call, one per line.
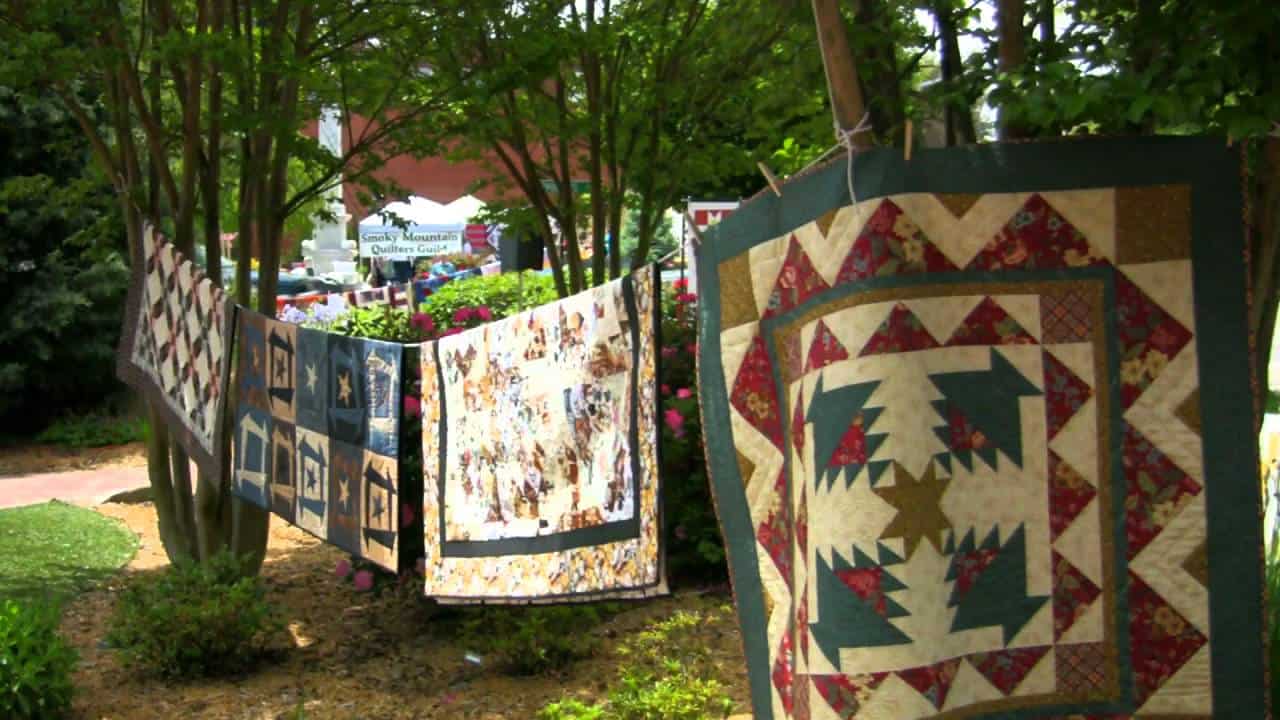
point(695, 549)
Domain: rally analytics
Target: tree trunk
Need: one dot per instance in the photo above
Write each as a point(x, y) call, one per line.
point(881, 80)
point(958, 109)
point(847, 104)
point(1266, 264)
point(1010, 18)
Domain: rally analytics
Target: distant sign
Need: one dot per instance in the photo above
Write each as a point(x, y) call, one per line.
point(383, 242)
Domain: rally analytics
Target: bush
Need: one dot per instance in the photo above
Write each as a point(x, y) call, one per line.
point(194, 620)
point(695, 548)
point(500, 293)
point(62, 274)
point(664, 679)
point(533, 640)
point(35, 662)
point(87, 431)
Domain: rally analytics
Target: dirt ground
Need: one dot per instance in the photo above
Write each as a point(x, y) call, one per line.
point(352, 655)
point(32, 459)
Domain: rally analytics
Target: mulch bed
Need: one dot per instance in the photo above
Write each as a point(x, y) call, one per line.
point(356, 655)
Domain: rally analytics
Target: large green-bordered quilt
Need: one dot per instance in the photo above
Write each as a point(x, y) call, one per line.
point(540, 449)
point(981, 442)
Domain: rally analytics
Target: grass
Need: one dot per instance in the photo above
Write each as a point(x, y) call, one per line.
point(54, 550)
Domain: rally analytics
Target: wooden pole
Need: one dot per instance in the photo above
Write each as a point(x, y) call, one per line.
point(847, 104)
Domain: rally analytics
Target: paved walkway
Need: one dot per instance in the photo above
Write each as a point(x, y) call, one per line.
point(81, 487)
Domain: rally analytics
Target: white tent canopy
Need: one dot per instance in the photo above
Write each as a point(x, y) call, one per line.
point(432, 228)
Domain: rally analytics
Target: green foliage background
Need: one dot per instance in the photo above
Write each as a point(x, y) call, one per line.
point(62, 270)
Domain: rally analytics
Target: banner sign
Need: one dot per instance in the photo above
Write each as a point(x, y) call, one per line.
point(415, 241)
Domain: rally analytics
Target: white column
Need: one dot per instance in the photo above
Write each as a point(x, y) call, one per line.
point(329, 239)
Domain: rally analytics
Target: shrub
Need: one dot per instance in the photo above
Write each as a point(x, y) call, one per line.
point(500, 293)
point(86, 431)
point(194, 620)
point(532, 640)
point(695, 548)
point(62, 274)
point(35, 662)
point(664, 679)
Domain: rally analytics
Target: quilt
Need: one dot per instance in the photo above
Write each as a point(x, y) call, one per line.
point(981, 442)
point(317, 433)
point(540, 448)
point(175, 346)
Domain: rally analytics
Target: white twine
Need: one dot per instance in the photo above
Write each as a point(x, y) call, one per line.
point(845, 138)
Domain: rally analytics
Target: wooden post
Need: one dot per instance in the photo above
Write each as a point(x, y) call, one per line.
point(847, 104)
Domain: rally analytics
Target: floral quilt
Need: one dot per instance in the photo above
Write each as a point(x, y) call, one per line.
point(540, 444)
point(959, 444)
point(175, 346)
point(317, 433)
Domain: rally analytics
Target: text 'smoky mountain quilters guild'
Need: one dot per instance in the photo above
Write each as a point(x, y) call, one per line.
point(981, 441)
point(541, 484)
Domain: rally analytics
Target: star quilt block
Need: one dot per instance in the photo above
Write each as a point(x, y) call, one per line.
point(958, 442)
point(318, 433)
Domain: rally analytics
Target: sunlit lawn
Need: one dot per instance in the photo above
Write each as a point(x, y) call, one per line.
point(50, 551)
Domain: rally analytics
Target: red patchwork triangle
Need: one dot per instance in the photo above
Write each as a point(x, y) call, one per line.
point(1069, 495)
point(852, 449)
point(891, 244)
point(797, 282)
point(1064, 393)
point(755, 395)
point(901, 332)
point(1006, 669)
point(1037, 237)
point(1156, 488)
point(1073, 594)
point(1149, 338)
point(841, 691)
point(825, 349)
point(932, 681)
point(1161, 640)
point(990, 324)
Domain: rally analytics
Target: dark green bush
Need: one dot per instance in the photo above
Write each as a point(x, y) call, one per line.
point(532, 640)
point(93, 430)
point(62, 275)
point(194, 620)
point(35, 663)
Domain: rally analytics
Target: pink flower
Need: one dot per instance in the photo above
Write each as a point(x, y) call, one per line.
point(451, 331)
point(669, 352)
point(484, 313)
point(675, 421)
point(364, 581)
point(680, 284)
point(666, 389)
point(684, 393)
point(691, 348)
point(343, 569)
point(412, 407)
point(423, 322)
point(406, 514)
point(686, 298)
point(462, 315)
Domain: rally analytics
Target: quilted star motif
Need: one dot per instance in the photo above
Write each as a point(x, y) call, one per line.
point(312, 378)
point(919, 505)
point(344, 387)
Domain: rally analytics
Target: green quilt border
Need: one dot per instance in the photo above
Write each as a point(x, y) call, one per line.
point(1219, 281)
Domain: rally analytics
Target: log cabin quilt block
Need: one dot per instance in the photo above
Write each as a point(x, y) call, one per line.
point(175, 346)
point(959, 444)
point(317, 433)
point(540, 447)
